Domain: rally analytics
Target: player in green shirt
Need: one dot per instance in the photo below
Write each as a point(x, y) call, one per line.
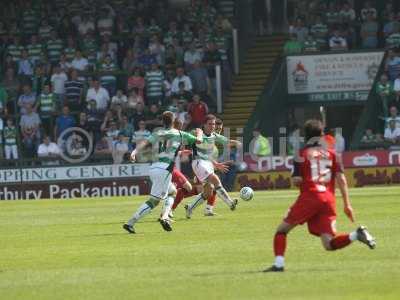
point(203, 166)
point(166, 143)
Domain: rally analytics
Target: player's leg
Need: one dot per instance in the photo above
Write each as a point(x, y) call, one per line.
point(169, 201)
point(209, 210)
point(186, 190)
point(340, 241)
point(280, 247)
point(142, 211)
point(198, 200)
point(221, 192)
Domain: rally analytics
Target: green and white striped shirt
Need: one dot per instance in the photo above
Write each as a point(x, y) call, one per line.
point(393, 40)
point(47, 102)
point(15, 51)
point(10, 136)
point(54, 49)
point(206, 150)
point(154, 83)
point(35, 52)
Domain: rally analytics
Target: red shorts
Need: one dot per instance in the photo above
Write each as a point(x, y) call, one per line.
point(178, 178)
point(317, 209)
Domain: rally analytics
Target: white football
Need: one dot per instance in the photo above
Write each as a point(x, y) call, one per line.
point(246, 193)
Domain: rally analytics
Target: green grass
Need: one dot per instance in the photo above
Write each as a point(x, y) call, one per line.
point(76, 249)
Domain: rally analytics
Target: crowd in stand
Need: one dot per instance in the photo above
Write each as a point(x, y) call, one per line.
point(336, 26)
point(108, 67)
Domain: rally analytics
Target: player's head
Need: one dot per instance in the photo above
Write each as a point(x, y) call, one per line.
point(313, 130)
point(218, 125)
point(178, 124)
point(168, 119)
point(209, 124)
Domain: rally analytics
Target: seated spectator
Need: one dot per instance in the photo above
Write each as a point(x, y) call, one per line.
point(300, 30)
point(49, 152)
point(119, 99)
point(393, 116)
point(63, 122)
point(54, 47)
point(320, 31)
point(392, 65)
point(201, 81)
point(391, 26)
point(119, 148)
point(83, 122)
point(94, 119)
point(136, 80)
point(73, 91)
point(47, 102)
point(86, 25)
point(337, 42)
point(384, 88)
point(292, 46)
point(30, 130)
point(153, 117)
point(79, 62)
point(58, 79)
point(198, 111)
point(35, 50)
point(10, 134)
point(138, 115)
point(38, 79)
point(64, 64)
point(182, 94)
point(192, 55)
point(133, 99)
point(368, 10)
point(347, 14)
point(103, 147)
point(392, 134)
point(393, 40)
point(126, 127)
point(371, 140)
point(369, 32)
point(112, 130)
point(181, 77)
point(146, 60)
point(129, 63)
point(310, 44)
point(25, 65)
point(99, 94)
point(105, 23)
point(28, 98)
point(70, 50)
point(157, 49)
point(44, 30)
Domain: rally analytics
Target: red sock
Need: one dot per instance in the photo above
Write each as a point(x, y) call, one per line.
point(182, 193)
point(211, 200)
point(280, 244)
point(340, 241)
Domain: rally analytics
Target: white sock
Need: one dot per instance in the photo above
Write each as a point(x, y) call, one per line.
point(353, 236)
point(279, 261)
point(223, 194)
point(167, 207)
point(143, 210)
point(209, 208)
point(197, 201)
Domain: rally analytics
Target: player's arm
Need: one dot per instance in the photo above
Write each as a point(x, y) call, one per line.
point(191, 139)
point(344, 191)
point(139, 147)
point(222, 167)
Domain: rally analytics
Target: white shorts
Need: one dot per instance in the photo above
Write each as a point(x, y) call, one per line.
point(160, 180)
point(202, 169)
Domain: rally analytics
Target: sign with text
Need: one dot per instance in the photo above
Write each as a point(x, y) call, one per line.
point(328, 73)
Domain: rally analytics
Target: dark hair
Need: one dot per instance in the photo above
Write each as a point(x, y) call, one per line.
point(168, 118)
point(218, 121)
point(312, 128)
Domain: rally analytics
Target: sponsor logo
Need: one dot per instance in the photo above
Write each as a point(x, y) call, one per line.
point(365, 160)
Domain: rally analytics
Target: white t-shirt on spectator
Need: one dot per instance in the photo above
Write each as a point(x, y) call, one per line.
point(340, 143)
point(191, 57)
point(336, 42)
point(177, 80)
point(45, 150)
point(182, 116)
point(396, 86)
point(105, 26)
point(101, 97)
point(396, 119)
point(389, 134)
point(80, 64)
point(84, 27)
point(58, 81)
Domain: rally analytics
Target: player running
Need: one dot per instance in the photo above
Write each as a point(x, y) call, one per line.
point(203, 166)
point(315, 171)
point(169, 141)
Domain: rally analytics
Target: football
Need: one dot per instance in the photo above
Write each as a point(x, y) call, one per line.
point(246, 193)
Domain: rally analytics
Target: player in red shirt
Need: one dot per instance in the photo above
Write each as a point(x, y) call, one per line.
point(315, 171)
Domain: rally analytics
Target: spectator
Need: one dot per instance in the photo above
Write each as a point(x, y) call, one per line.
point(86, 25)
point(58, 79)
point(83, 122)
point(347, 14)
point(39, 79)
point(310, 44)
point(136, 80)
point(201, 81)
point(70, 50)
point(73, 91)
point(48, 152)
point(27, 98)
point(154, 85)
point(25, 65)
point(393, 116)
point(371, 140)
point(79, 62)
point(139, 114)
point(45, 30)
point(133, 99)
point(392, 65)
point(153, 117)
point(182, 94)
point(393, 40)
point(300, 30)
point(30, 125)
point(119, 148)
point(1, 135)
point(129, 63)
point(384, 89)
point(340, 144)
point(105, 23)
point(10, 134)
point(63, 122)
point(12, 86)
point(192, 55)
point(47, 101)
point(3, 98)
point(103, 147)
point(125, 127)
point(292, 46)
point(112, 131)
point(99, 94)
point(391, 26)
point(94, 119)
point(108, 79)
point(337, 42)
point(15, 49)
point(35, 50)
point(182, 115)
point(392, 134)
point(146, 60)
point(320, 31)
point(368, 10)
point(54, 47)
point(119, 99)
point(181, 77)
point(369, 32)
point(157, 49)
point(198, 111)
point(260, 145)
point(141, 134)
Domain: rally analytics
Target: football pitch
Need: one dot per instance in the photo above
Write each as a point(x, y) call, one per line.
point(76, 249)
